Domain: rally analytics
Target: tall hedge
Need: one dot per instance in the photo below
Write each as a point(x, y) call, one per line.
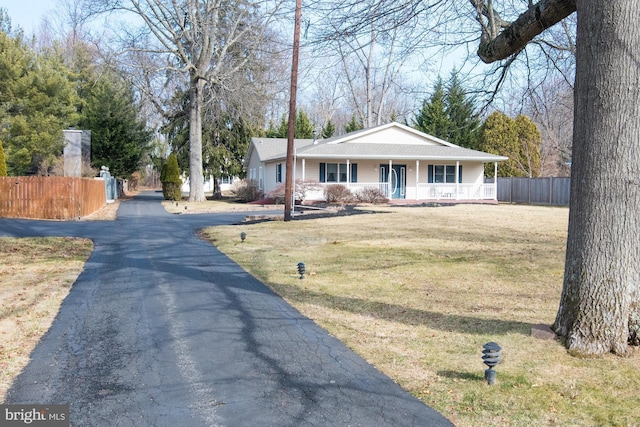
point(170, 178)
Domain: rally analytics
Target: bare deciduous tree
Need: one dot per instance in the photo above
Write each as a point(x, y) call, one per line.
point(207, 40)
point(550, 106)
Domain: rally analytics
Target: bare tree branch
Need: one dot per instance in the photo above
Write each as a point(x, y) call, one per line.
point(515, 36)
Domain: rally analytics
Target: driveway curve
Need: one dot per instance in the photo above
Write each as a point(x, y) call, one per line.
point(161, 329)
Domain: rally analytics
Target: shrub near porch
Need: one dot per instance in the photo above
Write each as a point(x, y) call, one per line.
point(417, 291)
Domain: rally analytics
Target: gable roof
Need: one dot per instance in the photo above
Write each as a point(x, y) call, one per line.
point(387, 132)
point(270, 149)
point(390, 141)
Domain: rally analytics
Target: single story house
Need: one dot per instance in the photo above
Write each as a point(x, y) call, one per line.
point(402, 162)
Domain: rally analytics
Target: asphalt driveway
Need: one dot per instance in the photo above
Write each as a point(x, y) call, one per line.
point(161, 329)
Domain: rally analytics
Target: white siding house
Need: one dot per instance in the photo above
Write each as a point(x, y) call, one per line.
point(400, 161)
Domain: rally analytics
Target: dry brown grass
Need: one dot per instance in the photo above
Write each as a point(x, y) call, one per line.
point(222, 205)
point(417, 291)
point(35, 276)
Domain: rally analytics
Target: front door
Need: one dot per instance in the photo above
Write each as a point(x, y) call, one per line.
point(397, 179)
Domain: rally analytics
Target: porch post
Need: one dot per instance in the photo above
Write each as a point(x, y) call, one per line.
point(389, 176)
point(417, 178)
point(495, 180)
point(457, 180)
point(293, 182)
point(304, 165)
point(348, 174)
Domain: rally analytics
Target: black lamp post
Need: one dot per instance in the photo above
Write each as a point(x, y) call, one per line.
point(492, 355)
point(301, 269)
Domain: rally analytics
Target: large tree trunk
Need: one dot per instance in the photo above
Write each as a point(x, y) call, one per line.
point(600, 292)
point(196, 176)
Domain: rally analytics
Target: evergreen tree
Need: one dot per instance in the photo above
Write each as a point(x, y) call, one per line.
point(353, 125)
point(225, 142)
point(328, 130)
point(529, 144)
point(460, 110)
point(517, 139)
point(283, 128)
point(272, 131)
point(449, 114)
point(3, 162)
point(170, 178)
point(225, 137)
point(432, 118)
point(303, 128)
point(119, 138)
point(498, 136)
point(38, 101)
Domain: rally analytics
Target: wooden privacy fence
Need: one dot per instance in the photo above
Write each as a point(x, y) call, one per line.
point(535, 191)
point(50, 197)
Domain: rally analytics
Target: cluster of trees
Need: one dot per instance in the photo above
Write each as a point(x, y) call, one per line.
point(217, 61)
point(599, 310)
point(452, 115)
point(59, 86)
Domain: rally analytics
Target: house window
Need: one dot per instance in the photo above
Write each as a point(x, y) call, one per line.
point(337, 172)
point(332, 172)
point(441, 174)
point(226, 180)
point(279, 172)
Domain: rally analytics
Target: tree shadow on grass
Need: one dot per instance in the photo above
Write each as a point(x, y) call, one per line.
point(434, 319)
point(467, 376)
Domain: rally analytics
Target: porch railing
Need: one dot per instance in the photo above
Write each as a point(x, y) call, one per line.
point(456, 191)
point(431, 191)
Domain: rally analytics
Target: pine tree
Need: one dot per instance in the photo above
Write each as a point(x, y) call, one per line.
point(38, 101)
point(272, 131)
point(449, 114)
point(119, 138)
point(328, 130)
point(304, 127)
point(353, 125)
point(432, 118)
point(460, 110)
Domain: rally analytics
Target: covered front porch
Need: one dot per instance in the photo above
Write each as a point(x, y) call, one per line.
point(416, 180)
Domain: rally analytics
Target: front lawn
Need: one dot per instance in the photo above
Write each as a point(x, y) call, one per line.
point(417, 291)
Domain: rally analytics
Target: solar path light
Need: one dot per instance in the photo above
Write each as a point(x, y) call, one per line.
point(301, 269)
point(492, 355)
point(243, 236)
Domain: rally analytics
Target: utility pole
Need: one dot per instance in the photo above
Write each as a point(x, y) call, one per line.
point(288, 190)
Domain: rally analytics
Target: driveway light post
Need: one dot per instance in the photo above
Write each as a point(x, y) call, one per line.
point(492, 355)
point(301, 269)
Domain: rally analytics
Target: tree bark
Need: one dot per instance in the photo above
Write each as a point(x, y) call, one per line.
point(540, 16)
point(196, 176)
point(600, 292)
point(599, 310)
